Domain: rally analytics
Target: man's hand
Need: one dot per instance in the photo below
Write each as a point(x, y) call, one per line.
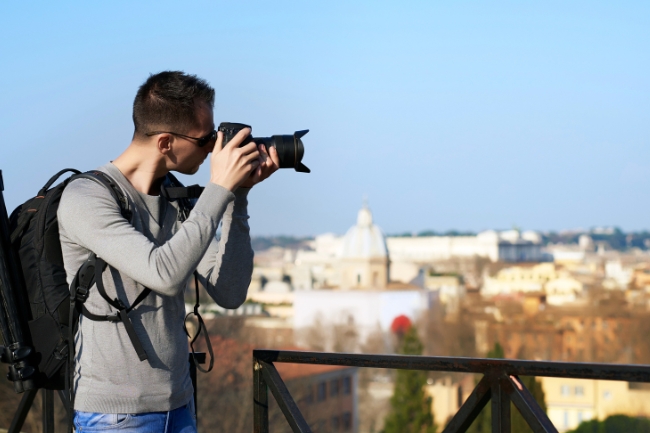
point(230, 165)
point(269, 163)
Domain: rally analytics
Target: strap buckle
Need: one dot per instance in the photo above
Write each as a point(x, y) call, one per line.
point(82, 294)
point(117, 317)
point(61, 351)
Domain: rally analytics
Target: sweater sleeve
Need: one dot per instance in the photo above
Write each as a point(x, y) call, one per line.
point(227, 266)
point(91, 218)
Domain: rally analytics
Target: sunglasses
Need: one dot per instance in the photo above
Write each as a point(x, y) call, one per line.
point(210, 138)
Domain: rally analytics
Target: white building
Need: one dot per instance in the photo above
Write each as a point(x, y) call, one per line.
point(509, 246)
point(365, 310)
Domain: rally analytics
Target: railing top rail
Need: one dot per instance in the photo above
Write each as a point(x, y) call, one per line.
point(577, 370)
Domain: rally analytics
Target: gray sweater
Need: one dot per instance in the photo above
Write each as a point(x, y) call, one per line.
point(158, 252)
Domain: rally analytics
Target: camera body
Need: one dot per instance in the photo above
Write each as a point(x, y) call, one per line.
point(289, 147)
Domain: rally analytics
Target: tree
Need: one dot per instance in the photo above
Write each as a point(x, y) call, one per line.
point(410, 407)
point(483, 423)
point(614, 424)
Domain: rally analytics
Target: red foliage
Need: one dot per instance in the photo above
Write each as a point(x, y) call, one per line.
point(400, 325)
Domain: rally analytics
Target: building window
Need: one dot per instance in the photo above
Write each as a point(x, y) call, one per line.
point(347, 385)
point(580, 390)
point(564, 390)
point(309, 395)
point(580, 417)
point(566, 419)
point(346, 421)
point(321, 391)
point(607, 395)
point(359, 279)
point(335, 423)
point(334, 388)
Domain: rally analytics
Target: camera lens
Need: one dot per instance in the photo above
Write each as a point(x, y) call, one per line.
point(289, 147)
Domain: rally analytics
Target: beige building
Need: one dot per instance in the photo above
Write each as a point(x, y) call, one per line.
point(571, 401)
point(363, 259)
point(359, 260)
point(448, 396)
point(558, 285)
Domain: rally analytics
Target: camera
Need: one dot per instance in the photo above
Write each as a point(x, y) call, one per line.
point(290, 148)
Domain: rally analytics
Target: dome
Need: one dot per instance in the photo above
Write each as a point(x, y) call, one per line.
point(364, 240)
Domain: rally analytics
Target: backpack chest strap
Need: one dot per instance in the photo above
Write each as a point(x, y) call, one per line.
point(91, 273)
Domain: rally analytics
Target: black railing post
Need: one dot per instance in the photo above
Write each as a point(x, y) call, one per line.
point(500, 405)
point(260, 400)
point(282, 395)
point(529, 408)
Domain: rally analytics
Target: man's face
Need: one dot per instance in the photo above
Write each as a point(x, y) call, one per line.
point(186, 156)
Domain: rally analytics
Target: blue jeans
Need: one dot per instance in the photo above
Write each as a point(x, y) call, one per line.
point(181, 420)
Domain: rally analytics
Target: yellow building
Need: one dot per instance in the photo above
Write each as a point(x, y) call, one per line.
point(571, 401)
point(557, 284)
point(448, 396)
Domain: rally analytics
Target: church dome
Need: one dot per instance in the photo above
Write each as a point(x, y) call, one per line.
point(364, 240)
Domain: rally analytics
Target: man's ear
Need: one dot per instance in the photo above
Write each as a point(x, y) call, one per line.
point(164, 143)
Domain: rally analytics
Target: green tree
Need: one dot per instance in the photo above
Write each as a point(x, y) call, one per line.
point(483, 422)
point(615, 424)
point(410, 407)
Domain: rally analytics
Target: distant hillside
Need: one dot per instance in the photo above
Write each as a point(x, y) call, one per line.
point(425, 233)
point(614, 237)
point(262, 243)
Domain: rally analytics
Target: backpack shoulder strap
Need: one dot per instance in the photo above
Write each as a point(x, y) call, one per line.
point(91, 273)
point(117, 193)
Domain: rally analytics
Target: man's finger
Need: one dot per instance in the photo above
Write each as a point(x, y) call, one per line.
point(249, 148)
point(274, 156)
point(219, 143)
point(239, 138)
point(252, 156)
point(264, 156)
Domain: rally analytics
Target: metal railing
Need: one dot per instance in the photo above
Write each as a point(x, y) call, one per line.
point(500, 384)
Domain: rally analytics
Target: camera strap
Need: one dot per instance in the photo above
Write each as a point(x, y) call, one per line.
point(178, 192)
point(201, 328)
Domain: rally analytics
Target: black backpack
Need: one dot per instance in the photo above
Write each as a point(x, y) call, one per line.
point(35, 237)
point(55, 307)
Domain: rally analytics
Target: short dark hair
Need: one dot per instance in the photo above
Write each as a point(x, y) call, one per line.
point(168, 100)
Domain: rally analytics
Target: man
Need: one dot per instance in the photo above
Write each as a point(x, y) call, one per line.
point(174, 131)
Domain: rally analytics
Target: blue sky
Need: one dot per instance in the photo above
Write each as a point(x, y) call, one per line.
point(465, 115)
